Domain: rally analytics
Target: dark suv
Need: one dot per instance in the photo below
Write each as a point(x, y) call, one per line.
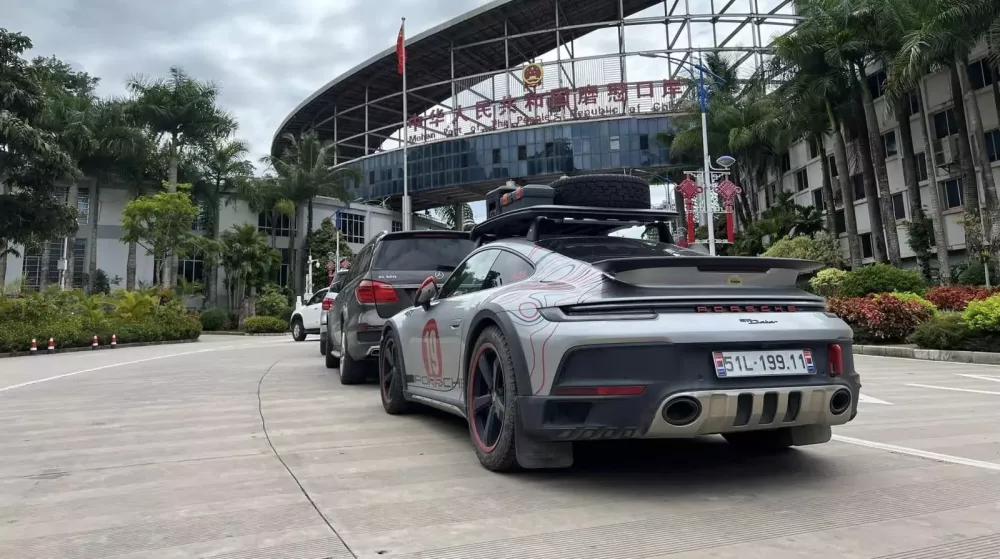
point(381, 282)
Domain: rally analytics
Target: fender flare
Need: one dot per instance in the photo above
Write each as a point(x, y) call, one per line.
point(509, 330)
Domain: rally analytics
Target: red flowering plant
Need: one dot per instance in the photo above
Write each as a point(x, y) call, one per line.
point(880, 318)
point(957, 297)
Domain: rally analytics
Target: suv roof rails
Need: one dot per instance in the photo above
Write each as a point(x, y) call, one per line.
point(533, 221)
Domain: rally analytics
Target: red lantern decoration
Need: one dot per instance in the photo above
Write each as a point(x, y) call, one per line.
point(728, 192)
point(688, 189)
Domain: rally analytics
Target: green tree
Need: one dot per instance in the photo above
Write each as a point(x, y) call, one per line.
point(161, 223)
point(181, 112)
point(31, 159)
point(302, 172)
point(225, 168)
point(449, 215)
point(822, 247)
point(247, 261)
point(323, 242)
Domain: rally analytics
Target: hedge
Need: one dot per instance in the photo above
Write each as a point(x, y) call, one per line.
point(265, 325)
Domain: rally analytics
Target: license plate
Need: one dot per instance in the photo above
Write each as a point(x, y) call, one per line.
point(763, 363)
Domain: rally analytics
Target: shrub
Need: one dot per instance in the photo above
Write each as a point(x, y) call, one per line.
point(984, 315)
point(972, 274)
point(879, 319)
point(265, 325)
point(827, 282)
point(272, 302)
point(213, 319)
point(823, 248)
point(913, 297)
point(956, 297)
point(950, 332)
point(881, 278)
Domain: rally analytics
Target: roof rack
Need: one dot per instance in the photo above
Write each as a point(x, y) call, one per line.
point(533, 221)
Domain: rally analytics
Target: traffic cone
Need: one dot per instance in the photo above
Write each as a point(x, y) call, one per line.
point(34, 346)
point(94, 344)
point(114, 341)
point(52, 345)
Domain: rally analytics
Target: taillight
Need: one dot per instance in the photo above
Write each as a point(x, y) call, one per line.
point(598, 390)
point(327, 304)
point(369, 292)
point(836, 360)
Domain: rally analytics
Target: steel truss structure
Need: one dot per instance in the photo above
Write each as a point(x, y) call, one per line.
point(477, 61)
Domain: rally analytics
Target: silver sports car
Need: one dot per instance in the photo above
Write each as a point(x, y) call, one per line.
point(552, 331)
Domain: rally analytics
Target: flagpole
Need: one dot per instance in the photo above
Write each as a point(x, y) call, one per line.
point(407, 220)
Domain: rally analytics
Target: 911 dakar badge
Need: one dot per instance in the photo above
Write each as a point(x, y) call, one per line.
point(430, 349)
point(533, 75)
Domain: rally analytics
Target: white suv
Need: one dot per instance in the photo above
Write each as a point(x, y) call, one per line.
point(305, 320)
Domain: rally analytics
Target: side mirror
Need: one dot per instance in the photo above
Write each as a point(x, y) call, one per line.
point(426, 293)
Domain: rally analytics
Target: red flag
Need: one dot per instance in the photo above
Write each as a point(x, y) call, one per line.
point(401, 50)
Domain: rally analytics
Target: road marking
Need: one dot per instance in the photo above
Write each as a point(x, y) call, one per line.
point(980, 377)
point(920, 453)
point(864, 399)
point(112, 365)
point(954, 389)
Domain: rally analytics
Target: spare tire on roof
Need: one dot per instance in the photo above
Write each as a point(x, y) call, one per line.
point(603, 191)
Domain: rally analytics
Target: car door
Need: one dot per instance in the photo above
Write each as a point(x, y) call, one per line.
point(312, 309)
point(435, 362)
point(347, 303)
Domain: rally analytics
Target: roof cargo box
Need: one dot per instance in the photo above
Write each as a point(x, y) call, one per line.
point(504, 200)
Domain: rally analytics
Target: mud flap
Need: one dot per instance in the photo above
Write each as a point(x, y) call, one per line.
point(537, 455)
point(810, 434)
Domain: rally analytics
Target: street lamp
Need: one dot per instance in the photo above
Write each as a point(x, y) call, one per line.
point(703, 102)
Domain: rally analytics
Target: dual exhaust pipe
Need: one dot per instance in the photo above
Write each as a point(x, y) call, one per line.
point(685, 410)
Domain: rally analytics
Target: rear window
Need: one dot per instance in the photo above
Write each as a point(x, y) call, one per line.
point(593, 249)
point(422, 253)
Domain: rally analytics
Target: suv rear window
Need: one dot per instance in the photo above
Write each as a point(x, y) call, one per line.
point(593, 249)
point(422, 253)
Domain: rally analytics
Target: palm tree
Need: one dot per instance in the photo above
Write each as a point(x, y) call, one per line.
point(225, 167)
point(247, 260)
point(449, 215)
point(304, 171)
point(182, 111)
point(809, 77)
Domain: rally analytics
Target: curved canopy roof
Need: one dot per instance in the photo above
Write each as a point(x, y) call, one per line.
point(429, 62)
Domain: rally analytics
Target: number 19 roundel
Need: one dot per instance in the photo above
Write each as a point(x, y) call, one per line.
point(431, 350)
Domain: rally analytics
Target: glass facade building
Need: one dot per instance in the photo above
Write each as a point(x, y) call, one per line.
point(563, 148)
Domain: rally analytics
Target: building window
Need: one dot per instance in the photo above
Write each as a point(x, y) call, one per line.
point(266, 220)
point(889, 144)
point(921, 167)
point(813, 149)
point(980, 74)
point(867, 251)
point(31, 269)
point(643, 141)
point(876, 83)
point(397, 226)
point(201, 221)
point(497, 158)
point(945, 124)
point(353, 226)
point(191, 269)
point(786, 163)
point(280, 275)
point(993, 144)
point(802, 180)
point(912, 103)
point(898, 206)
point(79, 262)
point(833, 167)
point(83, 206)
point(859, 187)
point(818, 199)
point(952, 193)
point(840, 222)
point(522, 153)
point(371, 177)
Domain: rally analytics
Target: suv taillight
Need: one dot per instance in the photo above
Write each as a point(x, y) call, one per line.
point(369, 292)
point(327, 303)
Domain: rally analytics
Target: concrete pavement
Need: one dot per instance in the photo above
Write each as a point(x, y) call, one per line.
point(161, 452)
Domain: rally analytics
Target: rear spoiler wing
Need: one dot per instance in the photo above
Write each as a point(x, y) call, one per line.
point(719, 264)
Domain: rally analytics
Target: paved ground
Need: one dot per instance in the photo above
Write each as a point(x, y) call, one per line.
point(160, 452)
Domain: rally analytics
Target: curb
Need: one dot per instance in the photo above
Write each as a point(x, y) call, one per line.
point(243, 334)
point(99, 348)
point(976, 357)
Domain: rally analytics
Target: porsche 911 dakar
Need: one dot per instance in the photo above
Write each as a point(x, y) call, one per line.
point(552, 332)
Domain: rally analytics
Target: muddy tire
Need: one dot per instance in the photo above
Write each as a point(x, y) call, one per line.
point(490, 399)
point(391, 375)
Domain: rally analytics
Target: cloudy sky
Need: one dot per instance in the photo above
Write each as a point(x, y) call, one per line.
point(267, 56)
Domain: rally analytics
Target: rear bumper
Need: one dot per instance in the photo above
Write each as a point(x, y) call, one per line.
point(364, 338)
